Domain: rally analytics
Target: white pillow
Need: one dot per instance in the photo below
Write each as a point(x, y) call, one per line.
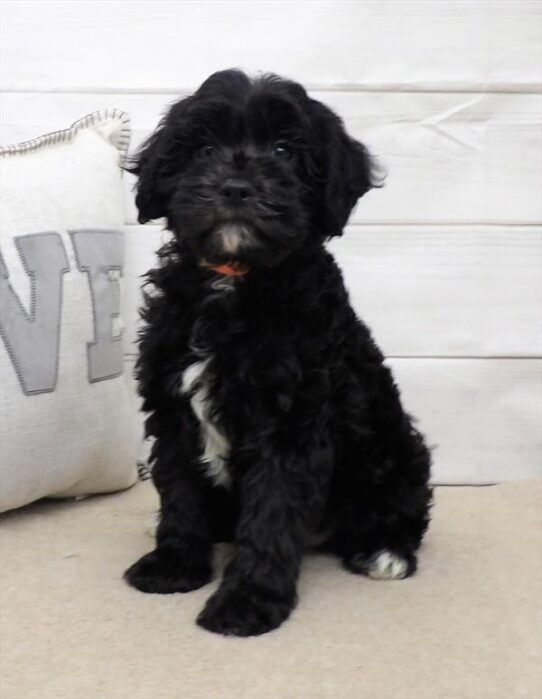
point(66, 425)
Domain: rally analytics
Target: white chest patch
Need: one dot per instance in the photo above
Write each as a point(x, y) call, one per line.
point(216, 448)
point(233, 235)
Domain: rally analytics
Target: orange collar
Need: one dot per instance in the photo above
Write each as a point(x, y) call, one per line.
point(232, 269)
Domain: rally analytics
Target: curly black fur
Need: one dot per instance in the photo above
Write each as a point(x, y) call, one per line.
point(319, 444)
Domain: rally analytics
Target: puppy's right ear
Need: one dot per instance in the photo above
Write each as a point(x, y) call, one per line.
point(152, 165)
point(151, 201)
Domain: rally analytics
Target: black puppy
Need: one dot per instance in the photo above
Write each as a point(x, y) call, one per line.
point(276, 423)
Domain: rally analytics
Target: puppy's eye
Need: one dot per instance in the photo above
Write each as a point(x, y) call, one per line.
point(281, 150)
point(207, 151)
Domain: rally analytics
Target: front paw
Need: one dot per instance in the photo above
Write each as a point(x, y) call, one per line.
point(244, 611)
point(164, 571)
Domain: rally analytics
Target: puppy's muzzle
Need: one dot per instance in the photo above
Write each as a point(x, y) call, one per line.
point(236, 192)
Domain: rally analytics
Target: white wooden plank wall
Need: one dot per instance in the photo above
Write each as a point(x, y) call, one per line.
point(445, 262)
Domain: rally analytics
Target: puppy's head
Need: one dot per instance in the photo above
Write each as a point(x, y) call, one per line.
point(250, 170)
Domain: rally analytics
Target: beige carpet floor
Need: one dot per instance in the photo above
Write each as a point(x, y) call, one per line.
point(467, 626)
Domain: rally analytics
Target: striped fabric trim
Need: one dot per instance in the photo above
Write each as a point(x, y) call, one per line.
point(144, 470)
point(67, 135)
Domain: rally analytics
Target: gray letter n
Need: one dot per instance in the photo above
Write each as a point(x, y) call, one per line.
point(32, 339)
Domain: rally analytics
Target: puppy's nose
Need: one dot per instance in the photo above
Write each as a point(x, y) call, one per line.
point(236, 191)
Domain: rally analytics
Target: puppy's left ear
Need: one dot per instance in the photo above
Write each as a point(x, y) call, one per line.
point(347, 170)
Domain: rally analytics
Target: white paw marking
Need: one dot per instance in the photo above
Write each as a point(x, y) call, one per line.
point(386, 565)
point(216, 447)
